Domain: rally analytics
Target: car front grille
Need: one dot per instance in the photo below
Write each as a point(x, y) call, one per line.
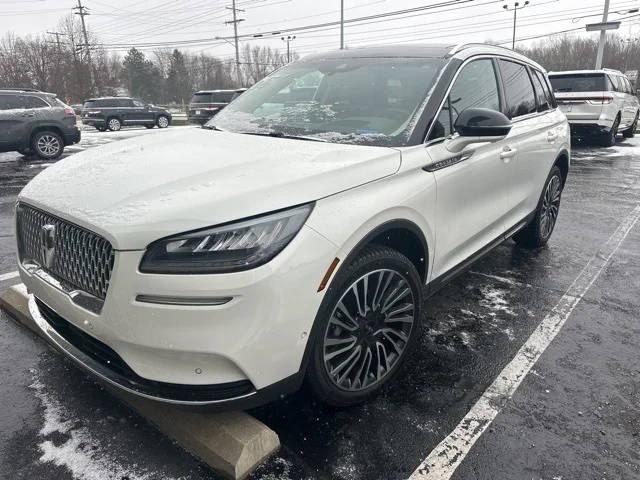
point(71, 254)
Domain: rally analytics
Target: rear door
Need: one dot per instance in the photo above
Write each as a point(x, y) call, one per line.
point(472, 192)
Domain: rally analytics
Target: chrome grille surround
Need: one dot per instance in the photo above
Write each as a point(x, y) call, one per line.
point(81, 258)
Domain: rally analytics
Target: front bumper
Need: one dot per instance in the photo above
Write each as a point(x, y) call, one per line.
point(240, 353)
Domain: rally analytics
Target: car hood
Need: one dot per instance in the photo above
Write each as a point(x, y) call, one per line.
point(138, 190)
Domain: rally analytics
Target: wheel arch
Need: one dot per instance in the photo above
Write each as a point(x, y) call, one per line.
point(45, 128)
point(563, 162)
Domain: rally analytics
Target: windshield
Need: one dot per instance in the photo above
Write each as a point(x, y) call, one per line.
point(370, 101)
point(578, 82)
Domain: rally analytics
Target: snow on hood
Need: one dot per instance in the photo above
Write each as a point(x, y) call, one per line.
point(138, 190)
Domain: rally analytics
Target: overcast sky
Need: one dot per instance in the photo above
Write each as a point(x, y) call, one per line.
point(120, 24)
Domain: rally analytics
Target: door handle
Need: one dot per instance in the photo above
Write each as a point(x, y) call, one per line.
point(28, 114)
point(551, 137)
point(507, 154)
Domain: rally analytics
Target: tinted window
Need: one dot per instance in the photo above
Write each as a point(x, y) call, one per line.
point(138, 103)
point(201, 98)
point(617, 84)
point(578, 82)
point(545, 87)
point(213, 97)
point(518, 89)
point(223, 97)
point(89, 104)
point(32, 102)
point(474, 87)
point(9, 102)
point(543, 101)
point(627, 85)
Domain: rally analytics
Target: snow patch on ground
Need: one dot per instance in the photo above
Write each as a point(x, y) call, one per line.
point(494, 299)
point(284, 470)
point(80, 452)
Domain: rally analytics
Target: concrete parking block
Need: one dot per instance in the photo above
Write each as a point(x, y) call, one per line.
point(231, 443)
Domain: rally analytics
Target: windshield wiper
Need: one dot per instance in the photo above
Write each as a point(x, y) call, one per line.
point(284, 135)
point(212, 127)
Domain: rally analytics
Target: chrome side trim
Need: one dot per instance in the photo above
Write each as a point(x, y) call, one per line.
point(79, 297)
point(99, 370)
point(186, 301)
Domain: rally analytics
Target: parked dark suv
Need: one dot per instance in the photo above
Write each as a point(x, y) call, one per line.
point(35, 122)
point(206, 103)
point(115, 112)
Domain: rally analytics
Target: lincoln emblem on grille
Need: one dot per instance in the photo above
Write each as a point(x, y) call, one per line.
point(48, 244)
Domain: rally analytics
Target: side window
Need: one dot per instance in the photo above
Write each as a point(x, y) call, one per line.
point(545, 88)
point(33, 102)
point(627, 85)
point(137, 103)
point(475, 87)
point(518, 89)
point(10, 102)
point(613, 79)
point(541, 96)
point(123, 103)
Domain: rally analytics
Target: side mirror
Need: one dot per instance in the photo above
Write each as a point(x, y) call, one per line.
point(478, 125)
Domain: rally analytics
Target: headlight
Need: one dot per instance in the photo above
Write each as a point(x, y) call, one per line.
point(226, 248)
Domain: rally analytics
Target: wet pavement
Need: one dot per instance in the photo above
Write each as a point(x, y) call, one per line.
point(574, 416)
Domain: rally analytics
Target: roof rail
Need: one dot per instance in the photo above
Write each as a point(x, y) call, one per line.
point(612, 70)
point(462, 46)
point(20, 89)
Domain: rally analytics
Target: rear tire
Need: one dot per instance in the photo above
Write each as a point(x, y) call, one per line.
point(609, 139)
point(114, 124)
point(538, 232)
point(47, 144)
point(361, 343)
point(631, 131)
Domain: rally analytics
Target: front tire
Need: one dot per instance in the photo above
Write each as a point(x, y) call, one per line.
point(47, 145)
point(162, 121)
point(114, 124)
point(538, 232)
point(369, 324)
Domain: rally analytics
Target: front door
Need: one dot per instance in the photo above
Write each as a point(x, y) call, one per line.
point(141, 113)
point(472, 198)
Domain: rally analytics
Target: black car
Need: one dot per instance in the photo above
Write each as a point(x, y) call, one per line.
point(115, 112)
point(35, 122)
point(206, 103)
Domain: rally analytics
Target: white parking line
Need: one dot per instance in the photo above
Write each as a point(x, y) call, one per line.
point(7, 276)
point(447, 456)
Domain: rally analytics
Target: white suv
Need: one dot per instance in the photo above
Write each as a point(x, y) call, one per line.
point(293, 239)
point(598, 103)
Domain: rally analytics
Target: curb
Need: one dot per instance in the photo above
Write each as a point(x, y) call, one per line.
point(231, 443)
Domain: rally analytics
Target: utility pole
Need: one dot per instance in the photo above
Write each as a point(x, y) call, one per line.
point(603, 36)
point(57, 42)
point(235, 23)
point(515, 8)
point(288, 39)
point(82, 11)
point(341, 24)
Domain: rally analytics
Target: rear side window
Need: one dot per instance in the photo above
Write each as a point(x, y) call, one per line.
point(89, 104)
point(579, 82)
point(616, 82)
point(518, 89)
point(33, 102)
point(10, 102)
point(544, 102)
point(475, 87)
point(627, 85)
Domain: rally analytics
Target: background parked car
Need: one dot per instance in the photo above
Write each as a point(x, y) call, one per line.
point(35, 122)
point(597, 103)
point(115, 112)
point(206, 103)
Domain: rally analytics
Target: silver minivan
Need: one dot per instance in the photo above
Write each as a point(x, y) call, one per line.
point(599, 104)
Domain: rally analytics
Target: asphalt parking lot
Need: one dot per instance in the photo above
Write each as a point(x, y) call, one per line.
point(575, 414)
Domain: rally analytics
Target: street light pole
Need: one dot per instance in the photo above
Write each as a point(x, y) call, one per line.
point(341, 24)
point(288, 39)
point(603, 36)
point(516, 7)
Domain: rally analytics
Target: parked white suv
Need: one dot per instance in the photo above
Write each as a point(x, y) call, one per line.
point(293, 238)
point(598, 103)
